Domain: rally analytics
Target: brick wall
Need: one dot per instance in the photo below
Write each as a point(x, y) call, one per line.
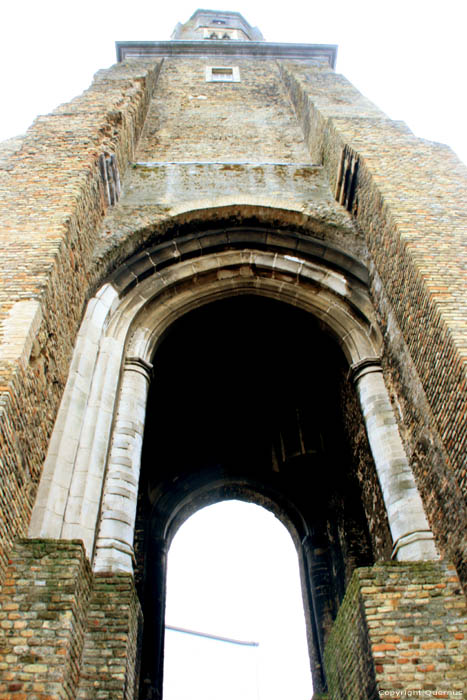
point(249, 121)
point(43, 602)
point(111, 651)
point(409, 201)
point(52, 201)
point(401, 628)
point(64, 634)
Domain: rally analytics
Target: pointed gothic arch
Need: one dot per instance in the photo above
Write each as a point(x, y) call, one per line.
point(172, 508)
point(130, 313)
point(89, 487)
point(245, 544)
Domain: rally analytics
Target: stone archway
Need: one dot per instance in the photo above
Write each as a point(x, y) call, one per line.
point(239, 408)
point(90, 484)
point(171, 510)
point(233, 571)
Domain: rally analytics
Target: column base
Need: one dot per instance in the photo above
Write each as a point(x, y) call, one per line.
point(415, 546)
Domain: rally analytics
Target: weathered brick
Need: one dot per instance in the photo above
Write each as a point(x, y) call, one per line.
point(393, 666)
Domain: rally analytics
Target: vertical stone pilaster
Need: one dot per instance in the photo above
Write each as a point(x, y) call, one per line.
point(69, 493)
point(114, 545)
point(412, 537)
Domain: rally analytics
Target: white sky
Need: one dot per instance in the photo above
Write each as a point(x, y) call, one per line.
point(233, 572)
point(408, 56)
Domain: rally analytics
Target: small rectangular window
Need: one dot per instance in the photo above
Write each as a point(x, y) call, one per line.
point(222, 74)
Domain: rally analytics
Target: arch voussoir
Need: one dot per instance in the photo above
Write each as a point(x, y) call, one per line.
point(154, 289)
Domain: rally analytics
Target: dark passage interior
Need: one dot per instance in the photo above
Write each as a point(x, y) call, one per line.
point(247, 402)
point(246, 383)
point(235, 375)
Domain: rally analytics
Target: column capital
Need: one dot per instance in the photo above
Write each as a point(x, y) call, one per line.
point(368, 365)
point(139, 365)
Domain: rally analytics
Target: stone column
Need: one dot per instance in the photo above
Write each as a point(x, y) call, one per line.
point(411, 534)
point(114, 546)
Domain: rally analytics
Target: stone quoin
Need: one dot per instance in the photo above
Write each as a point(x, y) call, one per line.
point(226, 274)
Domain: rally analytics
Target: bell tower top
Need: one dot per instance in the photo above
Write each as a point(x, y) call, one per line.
point(225, 35)
point(216, 25)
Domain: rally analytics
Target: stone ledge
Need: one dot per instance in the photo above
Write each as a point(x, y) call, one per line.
point(245, 49)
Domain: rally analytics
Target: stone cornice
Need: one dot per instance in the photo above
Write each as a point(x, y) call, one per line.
point(238, 49)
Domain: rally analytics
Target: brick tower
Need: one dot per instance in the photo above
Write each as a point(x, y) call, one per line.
point(226, 274)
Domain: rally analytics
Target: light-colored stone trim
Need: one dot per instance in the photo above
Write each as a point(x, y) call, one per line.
point(328, 294)
point(119, 337)
point(75, 461)
point(19, 330)
point(226, 49)
point(114, 545)
point(409, 527)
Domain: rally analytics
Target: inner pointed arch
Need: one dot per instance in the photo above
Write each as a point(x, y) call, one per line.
point(233, 573)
